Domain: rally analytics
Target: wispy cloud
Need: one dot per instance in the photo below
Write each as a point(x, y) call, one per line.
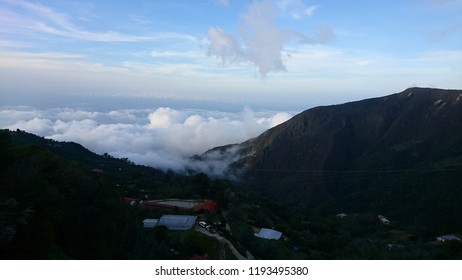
point(181, 64)
point(224, 46)
point(309, 11)
point(177, 54)
point(322, 35)
point(55, 61)
point(295, 9)
point(440, 35)
point(222, 2)
point(37, 17)
point(364, 70)
point(49, 55)
point(13, 44)
point(263, 40)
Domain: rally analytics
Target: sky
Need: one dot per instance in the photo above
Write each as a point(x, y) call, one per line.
point(177, 69)
point(284, 50)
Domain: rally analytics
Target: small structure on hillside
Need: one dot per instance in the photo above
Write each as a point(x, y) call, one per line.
point(177, 222)
point(267, 233)
point(383, 220)
point(449, 237)
point(341, 215)
point(150, 223)
point(210, 205)
point(184, 205)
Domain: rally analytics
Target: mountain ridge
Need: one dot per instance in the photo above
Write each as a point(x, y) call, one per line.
point(328, 153)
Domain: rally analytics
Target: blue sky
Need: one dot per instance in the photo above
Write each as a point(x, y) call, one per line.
point(288, 52)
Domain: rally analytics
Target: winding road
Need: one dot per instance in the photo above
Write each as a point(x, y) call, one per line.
point(233, 249)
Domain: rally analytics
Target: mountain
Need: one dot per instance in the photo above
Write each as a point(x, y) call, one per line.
point(400, 154)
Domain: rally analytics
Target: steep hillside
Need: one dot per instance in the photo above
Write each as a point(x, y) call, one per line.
point(76, 152)
point(60, 201)
point(403, 149)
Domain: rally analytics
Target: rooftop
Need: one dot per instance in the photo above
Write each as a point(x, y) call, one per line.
point(177, 222)
point(267, 233)
point(448, 237)
point(150, 223)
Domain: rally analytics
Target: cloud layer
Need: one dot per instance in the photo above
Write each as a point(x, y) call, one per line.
point(164, 138)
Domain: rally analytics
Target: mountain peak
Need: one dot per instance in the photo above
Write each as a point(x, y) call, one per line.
point(330, 151)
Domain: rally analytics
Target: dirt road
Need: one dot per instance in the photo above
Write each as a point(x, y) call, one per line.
point(233, 249)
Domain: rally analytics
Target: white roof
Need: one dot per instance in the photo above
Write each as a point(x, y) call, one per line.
point(448, 237)
point(177, 222)
point(267, 233)
point(150, 223)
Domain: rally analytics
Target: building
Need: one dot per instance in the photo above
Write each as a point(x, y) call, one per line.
point(150, 223)
point(184, 205)
point(267, 233)
point(177, 222)
point(210, 205)
point(383, 220)
point(445, 238)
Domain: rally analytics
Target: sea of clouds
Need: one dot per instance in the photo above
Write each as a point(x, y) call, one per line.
point(163, 137)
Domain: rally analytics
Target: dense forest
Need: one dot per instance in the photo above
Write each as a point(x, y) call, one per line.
point(52, 207)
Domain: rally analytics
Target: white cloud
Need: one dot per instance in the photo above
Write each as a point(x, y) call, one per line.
point(177, 54)
point(165, 118)
point(322, 35)
point(373, 72)
point(165, 138)
point(222, 2)
point(295, 9)
point(51, 61)
point(72, 73)
point(263, 40)
point(9, 116)
point(13, 44)
point(309, 11)
point(68, 114)
point(223, 45)
point(364, 62)
point(41, 18)
point(278, 119)
point(36, 125)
